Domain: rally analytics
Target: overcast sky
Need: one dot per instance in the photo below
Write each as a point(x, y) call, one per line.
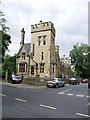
point(70, 18)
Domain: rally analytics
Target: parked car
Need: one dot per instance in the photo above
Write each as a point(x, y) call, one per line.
point(89, 84)
point(84, 80)
point(56, 82)
point(74, 81)
point(14, 79)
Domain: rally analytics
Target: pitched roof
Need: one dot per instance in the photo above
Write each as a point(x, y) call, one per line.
point(28, 47)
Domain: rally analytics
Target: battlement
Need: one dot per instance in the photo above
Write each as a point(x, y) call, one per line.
point(43, 26)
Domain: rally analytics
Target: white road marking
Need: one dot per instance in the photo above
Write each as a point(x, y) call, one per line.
point(64, 91)
point(79, 95)
point(48, 107)
point(20, 100)
point(84, 115)
point(61, 93)
point(3, 95)
point(88, 96)
point(70, 94)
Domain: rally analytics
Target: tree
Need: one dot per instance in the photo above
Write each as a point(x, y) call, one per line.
point(9, 64)
point(80, 57)
point(4, 36)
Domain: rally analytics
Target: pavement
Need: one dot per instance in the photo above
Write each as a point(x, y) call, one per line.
point(20, 85)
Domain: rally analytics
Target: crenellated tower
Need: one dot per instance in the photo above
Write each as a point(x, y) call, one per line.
point(43, 48)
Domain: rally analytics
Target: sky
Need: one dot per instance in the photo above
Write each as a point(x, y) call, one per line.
point(70, 18)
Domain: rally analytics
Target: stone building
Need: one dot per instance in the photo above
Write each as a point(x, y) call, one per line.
point(41, 56)
point(66, 69)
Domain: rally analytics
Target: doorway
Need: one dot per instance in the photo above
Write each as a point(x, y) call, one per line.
point(32, 70)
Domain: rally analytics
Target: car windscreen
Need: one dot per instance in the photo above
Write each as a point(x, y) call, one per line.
point(53, 80)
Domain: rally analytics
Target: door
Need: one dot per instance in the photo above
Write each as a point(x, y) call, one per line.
point(32, 70)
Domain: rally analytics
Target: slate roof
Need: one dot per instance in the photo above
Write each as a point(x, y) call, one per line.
point(28, 47)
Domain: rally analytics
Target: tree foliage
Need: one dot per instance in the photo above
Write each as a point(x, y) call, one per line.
point(9, 64)
point(80, 58)
point(4, 36)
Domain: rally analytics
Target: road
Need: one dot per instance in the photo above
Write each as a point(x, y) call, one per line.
point(71, 101)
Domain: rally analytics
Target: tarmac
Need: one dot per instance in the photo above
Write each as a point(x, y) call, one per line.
point(20, 85)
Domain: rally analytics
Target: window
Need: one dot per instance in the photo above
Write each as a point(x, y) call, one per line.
point(41, 68)
point(44, 40)
point(53, 68)
point(33, 53)
point(39, 41)
point(21, 67)
point(33, 48)
point(23, 56)
point(32, 70)
point(42, 55)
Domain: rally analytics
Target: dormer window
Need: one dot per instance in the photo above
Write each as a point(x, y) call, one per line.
point(23, 56)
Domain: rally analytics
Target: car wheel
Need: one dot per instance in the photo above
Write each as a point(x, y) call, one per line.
point(11, 81)
point(47, 86)
point(63, 85)
point(57, 85)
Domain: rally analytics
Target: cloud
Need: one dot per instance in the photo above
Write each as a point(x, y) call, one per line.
point(70, 18)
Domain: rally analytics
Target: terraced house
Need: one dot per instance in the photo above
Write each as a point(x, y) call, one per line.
point(41, 56)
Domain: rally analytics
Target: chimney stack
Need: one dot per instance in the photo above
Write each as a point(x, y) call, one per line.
point(22, 37)
point(57, 48)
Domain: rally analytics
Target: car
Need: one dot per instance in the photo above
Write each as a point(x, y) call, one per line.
point(74, 81)
point(84, 80)
point(89, 84)
point(56, 82)
point(14, 79)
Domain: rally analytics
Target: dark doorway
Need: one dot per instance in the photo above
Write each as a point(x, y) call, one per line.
point(22, 78)
point(32, 70)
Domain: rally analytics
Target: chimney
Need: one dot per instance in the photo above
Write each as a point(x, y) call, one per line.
point(57, 48)
point(22, 37)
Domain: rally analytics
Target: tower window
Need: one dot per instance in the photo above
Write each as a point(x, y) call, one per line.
point(42, 55)
point(39, 41)
point(44, 40)
point(53, 68)
point(33, 48)
point(33, 53)
point(41, 68)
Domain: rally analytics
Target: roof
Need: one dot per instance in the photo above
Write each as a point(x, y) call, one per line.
point(28, 47)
